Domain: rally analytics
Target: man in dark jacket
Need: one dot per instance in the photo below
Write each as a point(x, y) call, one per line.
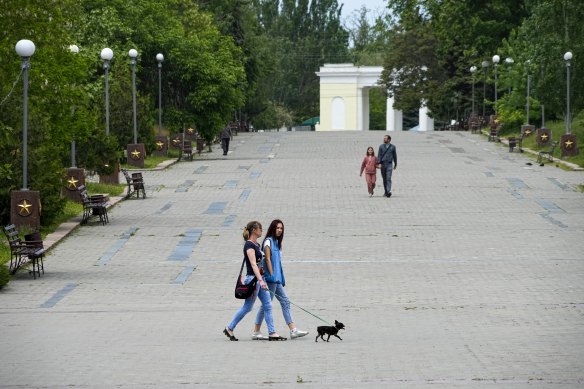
point(226, 136)
point(387, 158)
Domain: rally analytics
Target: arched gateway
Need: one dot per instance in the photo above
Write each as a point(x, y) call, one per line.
point(344, 100)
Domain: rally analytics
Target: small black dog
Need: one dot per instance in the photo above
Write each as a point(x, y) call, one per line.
point(329, 330)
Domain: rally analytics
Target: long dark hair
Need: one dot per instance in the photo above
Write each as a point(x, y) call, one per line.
point(272, 232)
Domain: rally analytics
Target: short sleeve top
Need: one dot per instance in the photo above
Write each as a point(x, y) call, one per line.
point(258, 254)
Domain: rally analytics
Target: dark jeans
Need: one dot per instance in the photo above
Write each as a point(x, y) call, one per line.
point(386, 172)
point(225, 145)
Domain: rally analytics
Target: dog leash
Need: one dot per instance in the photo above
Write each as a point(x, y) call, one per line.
point(305, 310)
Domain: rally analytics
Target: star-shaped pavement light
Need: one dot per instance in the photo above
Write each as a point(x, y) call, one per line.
point(24, 208)
point(159, 145)
point(544, 137)
point(72, 183)
point(527, 131)
point(135, 154)
point(191, 131)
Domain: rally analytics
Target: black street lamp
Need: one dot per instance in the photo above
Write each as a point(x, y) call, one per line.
point(496, 60)
point(106, 55)
point(485, 65)
point(25, 49)
point(567, 58)
point(159, 58)
point(133, 53)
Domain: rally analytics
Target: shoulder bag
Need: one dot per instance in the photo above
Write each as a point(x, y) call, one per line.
point(243, 291)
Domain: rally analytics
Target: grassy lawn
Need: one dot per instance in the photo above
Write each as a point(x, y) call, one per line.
point(152, 161)
point(558, 129)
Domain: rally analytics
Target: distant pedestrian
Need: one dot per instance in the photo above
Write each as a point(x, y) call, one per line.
point(369, 165)
point(274, 276)
point(226, 136)
point(387, 158)
point(253, 256)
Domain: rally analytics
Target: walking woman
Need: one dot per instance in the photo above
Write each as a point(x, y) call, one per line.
point(274, 275)
point(253, 256)
point(369, 164)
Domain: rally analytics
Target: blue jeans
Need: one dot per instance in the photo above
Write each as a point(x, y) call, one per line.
point(278, 289)
point(264, 296)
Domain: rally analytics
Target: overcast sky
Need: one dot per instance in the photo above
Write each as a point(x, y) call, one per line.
point(350, 6)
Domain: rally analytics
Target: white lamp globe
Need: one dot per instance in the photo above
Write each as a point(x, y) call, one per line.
point(473, 69)
point(496, 58)
point(133, 53)
point(159, 57)
point(25, 48)
point(107, 54)
point(568, 56)
point(74, 48)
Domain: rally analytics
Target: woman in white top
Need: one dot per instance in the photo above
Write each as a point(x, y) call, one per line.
point(274, 276)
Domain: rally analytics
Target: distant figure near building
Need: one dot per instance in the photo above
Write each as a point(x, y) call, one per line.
point(226, 136)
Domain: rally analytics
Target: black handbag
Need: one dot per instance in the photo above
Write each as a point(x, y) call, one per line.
point(243, 291)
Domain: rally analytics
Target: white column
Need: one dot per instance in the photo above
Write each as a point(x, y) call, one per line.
point(426, 122)
point(359, 109)
point(393, 117)
point(365, 95)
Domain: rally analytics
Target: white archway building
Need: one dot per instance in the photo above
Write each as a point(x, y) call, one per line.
point(344, 100)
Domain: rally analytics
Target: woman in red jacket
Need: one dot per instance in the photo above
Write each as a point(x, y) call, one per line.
point(369, 164)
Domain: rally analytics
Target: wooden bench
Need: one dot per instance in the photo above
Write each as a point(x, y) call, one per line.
point(494, 134)
point(549, 154)
point(31, 250)
point(186, 150)
point(135, 184)
point(93, 206)
point(516, 142)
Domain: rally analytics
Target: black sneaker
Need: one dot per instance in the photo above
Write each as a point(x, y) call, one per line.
point(389, 194)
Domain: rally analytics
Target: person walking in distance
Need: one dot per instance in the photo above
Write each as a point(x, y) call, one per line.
point(274, 276)
point(253, 256)
point(369, 164)
point(226, 136)
point(387, 158)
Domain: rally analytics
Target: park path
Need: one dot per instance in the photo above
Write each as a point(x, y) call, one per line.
point(470, 275)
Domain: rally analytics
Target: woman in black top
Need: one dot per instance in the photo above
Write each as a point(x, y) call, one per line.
point(253, 256)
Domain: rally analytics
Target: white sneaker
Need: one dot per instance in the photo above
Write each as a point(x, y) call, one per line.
point(259, 336)
point(296, 333)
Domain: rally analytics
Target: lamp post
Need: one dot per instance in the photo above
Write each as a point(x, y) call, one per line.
point(159, 58)
point(509, 61)
point(496, 60)
point(133, 53)
point(75, 50)
point(567, 58)
point(528, 103)
point(25, 49)
point(473, 70)
point(485, 65)
point(106, 55)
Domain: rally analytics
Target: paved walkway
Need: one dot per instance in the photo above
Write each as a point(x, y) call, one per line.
point(471, 275)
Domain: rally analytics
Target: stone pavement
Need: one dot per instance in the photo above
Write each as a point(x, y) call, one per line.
point(471, 275)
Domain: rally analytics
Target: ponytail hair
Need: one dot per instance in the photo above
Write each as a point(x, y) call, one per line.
point(248, 229)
